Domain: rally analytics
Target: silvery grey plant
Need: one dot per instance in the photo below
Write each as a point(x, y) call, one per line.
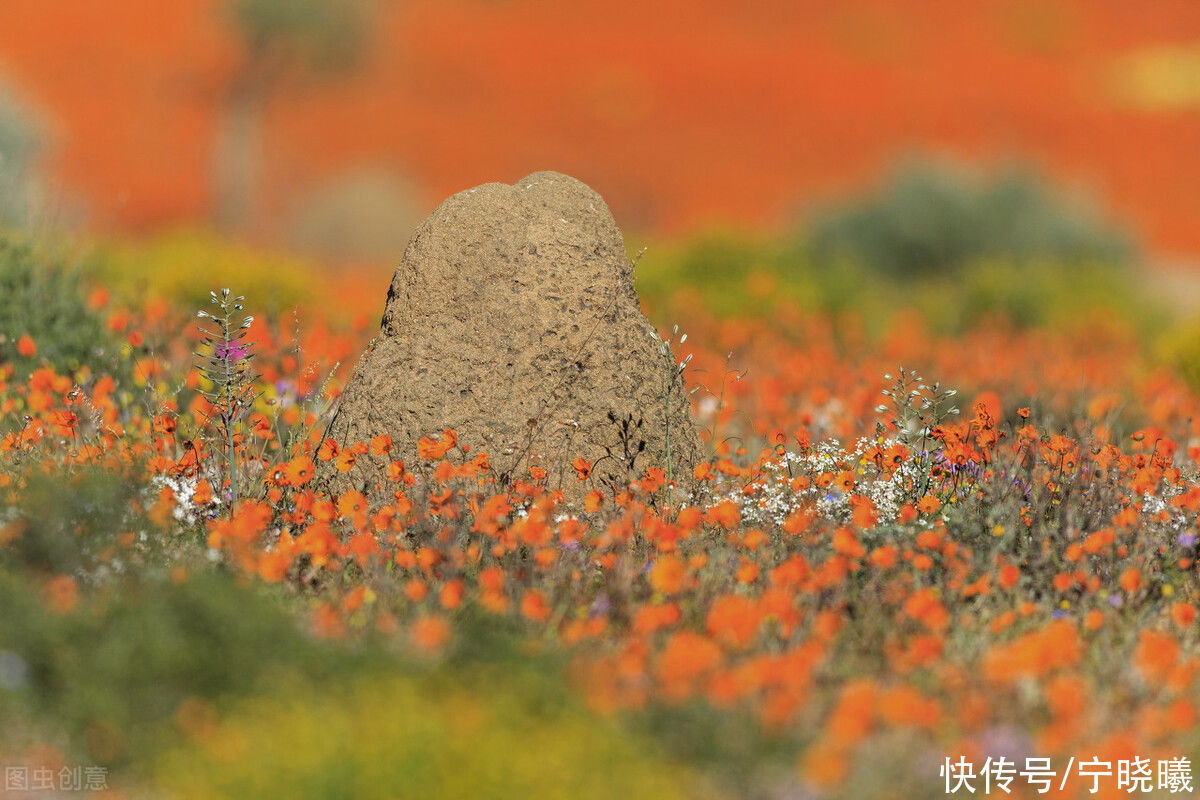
point(226, 360)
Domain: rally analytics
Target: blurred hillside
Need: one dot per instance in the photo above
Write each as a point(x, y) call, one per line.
point(680, 113)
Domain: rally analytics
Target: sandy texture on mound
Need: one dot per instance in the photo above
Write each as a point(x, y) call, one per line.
point(513, 320)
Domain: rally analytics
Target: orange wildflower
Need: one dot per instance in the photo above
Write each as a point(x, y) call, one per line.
point(583, 468)
point(534, 606)
point(352, 505)
point(430, 633)
point(685, 659)
point(328, 450)
point(299, 470)
point(433, 449)
point(1155, 655)
point(1131, 580)
point(668, 574)
point(273, 567)
point(847, 544)
point(1184, 614)
point(364, 546)
point(61, 593)
point(451, 594)
point(725, 514)
point(928, 504)
point(344, 461)
point(734, 620)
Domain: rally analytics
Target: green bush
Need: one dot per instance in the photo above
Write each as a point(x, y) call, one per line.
point(934, 219)
point(208, 688)
point(1179, 348)
point(737, 275)
point(64, 522)
point(20, 145)
point(406, 736)
point(46, 299)
point(182, 267)
point(114, 671)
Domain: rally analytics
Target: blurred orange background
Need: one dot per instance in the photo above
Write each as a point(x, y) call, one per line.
point(682, 114)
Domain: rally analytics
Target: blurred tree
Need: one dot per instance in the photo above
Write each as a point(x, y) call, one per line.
point(362, 214)
point(20, 146)
point(282, 40)
point(935, 219)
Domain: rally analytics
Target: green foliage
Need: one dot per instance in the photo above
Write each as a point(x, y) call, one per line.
point(1180, 349)
point(64, 521)
point(326, 34)
point(932, 219)
point(173, 678)
point(732, 745)
point(387, 736)
point(182, 267)
point(737, 275)
point(1031, 295)
point(114, 671)
point(45, 299)
point(20, 145)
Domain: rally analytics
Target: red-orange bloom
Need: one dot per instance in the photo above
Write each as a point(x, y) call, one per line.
point(534, 606)
point(430, 633)
point(299, 470)
point(26, 346)
point(734, 620)
point(668, 574)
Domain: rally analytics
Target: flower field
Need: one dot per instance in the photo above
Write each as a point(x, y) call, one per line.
point(905, 547)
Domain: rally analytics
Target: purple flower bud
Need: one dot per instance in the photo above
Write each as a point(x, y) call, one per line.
point(231, 352)
point(601, 606)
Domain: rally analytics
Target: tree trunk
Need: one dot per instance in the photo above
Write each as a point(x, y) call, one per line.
point(238, 153)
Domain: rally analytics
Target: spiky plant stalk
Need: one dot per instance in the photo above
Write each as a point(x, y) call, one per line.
point(674, 377)
point(227, 366)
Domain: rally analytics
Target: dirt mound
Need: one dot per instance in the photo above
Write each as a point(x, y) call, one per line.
point(513, 320)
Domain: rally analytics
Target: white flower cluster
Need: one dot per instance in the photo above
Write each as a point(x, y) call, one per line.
point(1154, 505)
point(182, 488)
point(775, 498)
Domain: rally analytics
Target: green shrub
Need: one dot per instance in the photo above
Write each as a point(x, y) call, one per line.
point(182, 267)
point(208, 688)
point(20, 145)
point(400, 735)
point(933, 219)
point(46, 299)
point(1179, 349)
point(1032, 294)
point(114, 671)
point(64, 522)
point(736, 275)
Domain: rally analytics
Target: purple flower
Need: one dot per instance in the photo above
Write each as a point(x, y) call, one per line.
point(231, 352)
point(1186, 539)
point(1007, 741)
point(601, 606)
